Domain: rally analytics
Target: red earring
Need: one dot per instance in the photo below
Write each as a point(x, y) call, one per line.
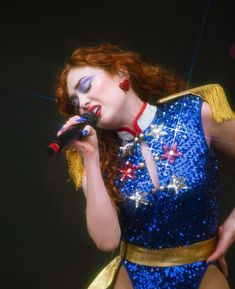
point(124, 84)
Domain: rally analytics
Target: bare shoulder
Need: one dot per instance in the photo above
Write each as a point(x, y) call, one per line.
point(207, 121)
point(221, 135)
point(207, 115)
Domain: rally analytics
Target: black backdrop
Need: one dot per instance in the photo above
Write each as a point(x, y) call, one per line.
point(44, 239)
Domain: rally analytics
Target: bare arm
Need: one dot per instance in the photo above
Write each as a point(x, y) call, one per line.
point(226, 236)
point(222, 137)
point(102, 220)
point(101, 215)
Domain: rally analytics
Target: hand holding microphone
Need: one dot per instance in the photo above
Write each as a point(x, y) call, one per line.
point(72, 133)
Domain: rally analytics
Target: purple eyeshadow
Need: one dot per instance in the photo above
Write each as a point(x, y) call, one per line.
point(85, 83)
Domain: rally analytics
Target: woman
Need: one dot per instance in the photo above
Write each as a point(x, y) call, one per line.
point(150, 177)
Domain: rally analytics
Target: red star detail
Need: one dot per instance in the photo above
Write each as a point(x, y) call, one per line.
point(128, 171)
point(171, 153)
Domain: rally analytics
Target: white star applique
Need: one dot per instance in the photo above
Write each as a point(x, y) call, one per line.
point(126, 149)
point(157, 130)
point(139, 198)
point(177, 184)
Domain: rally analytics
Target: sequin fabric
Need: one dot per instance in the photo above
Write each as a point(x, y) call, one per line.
point(184, 208)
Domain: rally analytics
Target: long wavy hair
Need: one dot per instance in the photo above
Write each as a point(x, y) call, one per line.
point(149, 81)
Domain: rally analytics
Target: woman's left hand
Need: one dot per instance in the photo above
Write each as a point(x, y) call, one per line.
point(226, 236)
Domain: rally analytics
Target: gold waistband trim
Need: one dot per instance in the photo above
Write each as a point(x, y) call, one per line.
point(170, 256)
point(153, 257)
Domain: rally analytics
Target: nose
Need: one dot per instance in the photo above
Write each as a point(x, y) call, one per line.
point(84, 102)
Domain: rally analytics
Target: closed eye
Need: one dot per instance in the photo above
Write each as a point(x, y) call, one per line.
point(87, 88)
point(84, 84)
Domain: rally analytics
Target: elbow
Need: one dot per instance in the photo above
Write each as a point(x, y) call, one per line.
point(107, 246)
point(106, 240)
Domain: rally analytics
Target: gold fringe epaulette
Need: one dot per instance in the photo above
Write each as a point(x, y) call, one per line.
point(75, 166)
point(214, 95)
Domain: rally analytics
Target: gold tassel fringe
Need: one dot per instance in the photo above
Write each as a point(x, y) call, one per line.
point(214, 95)
point(76, 167)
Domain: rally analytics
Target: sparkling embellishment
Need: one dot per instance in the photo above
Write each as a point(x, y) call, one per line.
point(142, 165)
point(141, 136)
point(176, 216)
point(139, 198)
point(156, 157)
point(171, 153)
point(177, 184)
point(126, 149)
point(128, 171)
point(157, 131)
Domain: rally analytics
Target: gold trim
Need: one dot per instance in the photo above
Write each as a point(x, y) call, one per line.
point(196, 91)
point(150, 257)
point(107, 275)
point(170, 256)
point(214, 95)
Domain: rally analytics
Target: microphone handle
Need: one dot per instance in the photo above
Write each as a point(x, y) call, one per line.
point(75, 132)
point(65, 138)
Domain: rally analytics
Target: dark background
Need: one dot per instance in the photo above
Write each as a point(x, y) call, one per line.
point(44, 241)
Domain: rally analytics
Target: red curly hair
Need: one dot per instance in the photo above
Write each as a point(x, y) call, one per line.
point(150, 82)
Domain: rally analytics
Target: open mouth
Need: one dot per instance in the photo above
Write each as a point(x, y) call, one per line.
point(96, 109)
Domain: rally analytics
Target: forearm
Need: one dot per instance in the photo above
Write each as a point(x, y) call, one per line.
point(230, 221)
point(102, 220)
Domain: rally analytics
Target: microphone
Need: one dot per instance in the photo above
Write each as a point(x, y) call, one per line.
point(75, 132)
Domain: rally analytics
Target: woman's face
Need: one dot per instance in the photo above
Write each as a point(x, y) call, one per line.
point(93, 89)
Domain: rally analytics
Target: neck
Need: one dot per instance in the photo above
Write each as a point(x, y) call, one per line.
point(133, 117)
point(140, 122)
point(131, 108)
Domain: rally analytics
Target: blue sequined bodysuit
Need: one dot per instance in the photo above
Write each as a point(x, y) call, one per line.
point(184, 208)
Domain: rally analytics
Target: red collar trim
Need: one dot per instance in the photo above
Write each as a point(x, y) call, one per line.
point(135, 123)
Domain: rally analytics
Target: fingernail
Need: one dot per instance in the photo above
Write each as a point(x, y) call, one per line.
point(84, 132)
point(81, 119)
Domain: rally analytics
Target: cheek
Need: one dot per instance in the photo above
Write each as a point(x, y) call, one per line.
point(106, 86)
point(101, 85)
point(109, 94)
